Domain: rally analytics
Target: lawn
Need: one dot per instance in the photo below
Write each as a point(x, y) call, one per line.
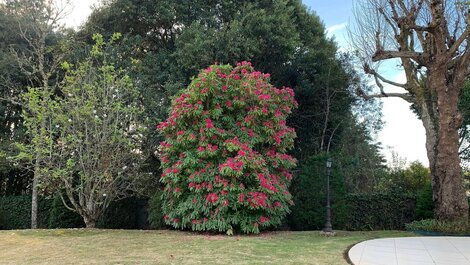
point(82, 246)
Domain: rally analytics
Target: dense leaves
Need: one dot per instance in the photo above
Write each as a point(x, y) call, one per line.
point(380, 211)
point(224, 157)
point(309, 192)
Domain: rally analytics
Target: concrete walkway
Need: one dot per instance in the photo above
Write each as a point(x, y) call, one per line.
point(412, 251)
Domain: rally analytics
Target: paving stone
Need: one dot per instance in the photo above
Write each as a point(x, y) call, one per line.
point(412, 251)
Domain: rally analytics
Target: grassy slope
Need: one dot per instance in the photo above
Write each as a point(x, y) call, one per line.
point(80, 246)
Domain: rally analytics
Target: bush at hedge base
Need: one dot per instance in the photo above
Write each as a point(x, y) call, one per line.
point(224, 160)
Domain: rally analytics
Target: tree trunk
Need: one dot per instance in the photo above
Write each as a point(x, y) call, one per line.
point(34, 196)
point(89, 222)
point(441, 122)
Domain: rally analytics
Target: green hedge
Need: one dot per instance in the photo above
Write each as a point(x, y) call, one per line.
point(15, 213)
point(308, 191)
point(371, 211)
point(155, 211)
point(380, 211)
point(129, 213)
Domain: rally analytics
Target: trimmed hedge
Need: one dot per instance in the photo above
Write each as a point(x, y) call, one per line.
point(155, 211)
point(309, 192)
point(15, 213)
point(129, 213)
point(380, 211)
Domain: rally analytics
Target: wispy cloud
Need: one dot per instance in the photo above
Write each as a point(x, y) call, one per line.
point(331, 30)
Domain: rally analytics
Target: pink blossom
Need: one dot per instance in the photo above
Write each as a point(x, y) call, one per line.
point(212, 197)
point(241, 197)
point(263, 219)
point(264, 97)
point(209, 123)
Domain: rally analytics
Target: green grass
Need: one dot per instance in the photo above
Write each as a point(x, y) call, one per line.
point(82, 246)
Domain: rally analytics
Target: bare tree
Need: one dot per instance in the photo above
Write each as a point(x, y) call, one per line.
point(430, 40)
point(37, 22)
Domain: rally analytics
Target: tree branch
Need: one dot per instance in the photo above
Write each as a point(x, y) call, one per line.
point(455, 47)
point(378, 77)
point(11, 101)
point(405, 96)
point(384, 55)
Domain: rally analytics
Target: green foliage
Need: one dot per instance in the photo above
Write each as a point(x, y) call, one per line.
point(411, 179)
point(446, 227)
point(464, 131)
point(84, 141)
point(15, 212)
point(282, 37)
point(61, 217)
point(309, 193)
point(380, 211)
point(424, 203)
point(155, 211)
point(224, 160)
point(358, 159)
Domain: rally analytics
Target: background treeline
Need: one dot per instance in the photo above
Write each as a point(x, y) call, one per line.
point(164, 43)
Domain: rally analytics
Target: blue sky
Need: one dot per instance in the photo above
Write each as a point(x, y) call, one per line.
point(332, 12)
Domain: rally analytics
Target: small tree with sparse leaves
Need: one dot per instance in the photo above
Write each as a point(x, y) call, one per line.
point(90, 141)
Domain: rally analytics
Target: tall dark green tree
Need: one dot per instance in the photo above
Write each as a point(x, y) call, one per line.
point(168, 41)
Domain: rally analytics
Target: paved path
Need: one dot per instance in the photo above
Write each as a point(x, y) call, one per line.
point(412, 251)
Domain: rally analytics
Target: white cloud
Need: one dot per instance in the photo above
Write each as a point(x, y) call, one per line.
point(81, 9)
point(403, 131)
point(332, 29)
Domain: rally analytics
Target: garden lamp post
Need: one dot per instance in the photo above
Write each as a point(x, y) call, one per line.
point(328, 230)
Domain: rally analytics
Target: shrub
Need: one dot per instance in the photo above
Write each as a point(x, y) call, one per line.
point(424, 204)
point(380, 211)
point(309, 192)
point(16, 212)
point(224, 157)
point(155, 211)
point(446, 227)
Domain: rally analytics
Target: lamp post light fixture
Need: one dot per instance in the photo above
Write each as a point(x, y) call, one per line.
point(328, 230)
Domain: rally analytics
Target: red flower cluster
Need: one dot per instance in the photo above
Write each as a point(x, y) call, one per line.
point(256, 199)
point(212, 197)
point(232, 164)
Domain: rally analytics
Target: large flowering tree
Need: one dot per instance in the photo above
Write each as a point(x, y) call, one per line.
point(224, 157)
